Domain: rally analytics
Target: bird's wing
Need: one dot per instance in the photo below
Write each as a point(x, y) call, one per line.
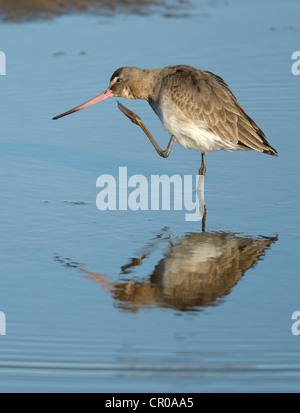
point(205, 97)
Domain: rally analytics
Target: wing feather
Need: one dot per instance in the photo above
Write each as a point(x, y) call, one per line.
point(205, 97)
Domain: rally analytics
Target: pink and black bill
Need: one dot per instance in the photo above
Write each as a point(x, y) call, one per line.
point(106, 94)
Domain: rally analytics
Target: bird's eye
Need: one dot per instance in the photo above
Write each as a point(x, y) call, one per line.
point(118, 80)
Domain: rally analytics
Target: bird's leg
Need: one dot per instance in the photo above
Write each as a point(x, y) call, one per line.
point(202, 169)
point(138, 121)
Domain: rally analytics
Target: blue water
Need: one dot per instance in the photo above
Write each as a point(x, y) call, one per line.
point(102, 301)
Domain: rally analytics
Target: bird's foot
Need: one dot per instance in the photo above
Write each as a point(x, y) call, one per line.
point(131, 115)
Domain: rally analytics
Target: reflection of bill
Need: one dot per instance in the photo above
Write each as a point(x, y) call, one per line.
point(196, 272)
point(2, 324)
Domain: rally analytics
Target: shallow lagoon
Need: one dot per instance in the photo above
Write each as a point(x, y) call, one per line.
point(102, 301)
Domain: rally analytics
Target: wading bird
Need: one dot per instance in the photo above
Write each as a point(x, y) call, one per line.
point(195, 106)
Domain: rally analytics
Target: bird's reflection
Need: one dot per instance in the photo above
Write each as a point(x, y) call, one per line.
point(196, 271)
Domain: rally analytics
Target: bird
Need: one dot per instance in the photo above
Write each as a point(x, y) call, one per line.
point(196, 107)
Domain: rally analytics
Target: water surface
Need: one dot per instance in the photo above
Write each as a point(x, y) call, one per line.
point(143, 300)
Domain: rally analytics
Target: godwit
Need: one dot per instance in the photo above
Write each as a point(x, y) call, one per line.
point(195, 106)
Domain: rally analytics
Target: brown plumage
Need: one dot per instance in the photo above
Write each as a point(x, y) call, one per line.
point(195, 106)
point(196, 271)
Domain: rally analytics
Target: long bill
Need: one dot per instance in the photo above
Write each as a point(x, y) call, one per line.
point(106, 94)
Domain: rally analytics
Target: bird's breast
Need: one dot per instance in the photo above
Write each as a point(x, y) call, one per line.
point(189, 132)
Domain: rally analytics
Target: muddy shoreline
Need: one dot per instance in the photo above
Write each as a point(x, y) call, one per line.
point(28, 10)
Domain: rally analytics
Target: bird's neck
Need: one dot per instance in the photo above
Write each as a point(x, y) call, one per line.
point(146, 86)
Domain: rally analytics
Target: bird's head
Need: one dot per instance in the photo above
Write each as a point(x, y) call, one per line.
point(126, 82)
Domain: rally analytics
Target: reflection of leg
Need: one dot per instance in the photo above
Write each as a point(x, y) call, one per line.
point(204, 219)
point(134, 262)
point(200, 194)
point(171, 241)
point(138, 121)
point(202, 169)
